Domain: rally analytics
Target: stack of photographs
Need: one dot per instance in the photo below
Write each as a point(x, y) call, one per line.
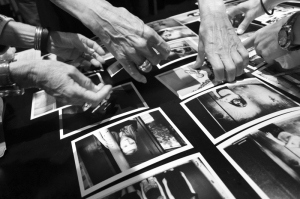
point(124, 100)
point(268, 156)
point(225, 110)
point(188, 177)
point(119, 149)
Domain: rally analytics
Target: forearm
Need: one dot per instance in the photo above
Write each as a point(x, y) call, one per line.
point(18, 35)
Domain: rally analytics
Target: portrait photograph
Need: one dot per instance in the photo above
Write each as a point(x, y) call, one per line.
point(185, 81)
point(180, 49)
point(119, 149)
point(188, 17)
point(285, 79)
point(125, 99)
point(189, 177)
point(268, 156)
point(225, 110)
point(164, 23)
point(170, 34)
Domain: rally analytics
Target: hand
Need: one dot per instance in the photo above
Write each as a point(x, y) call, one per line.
point(251, 9)
point(62, 81)
point(9, 54)
point(289, 60)
point(265, 41)
point(224, 50)
point(70, 46)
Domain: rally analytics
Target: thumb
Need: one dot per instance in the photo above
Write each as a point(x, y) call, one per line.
point(201, 55)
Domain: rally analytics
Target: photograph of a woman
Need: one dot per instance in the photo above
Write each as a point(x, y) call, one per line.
point(125, 146)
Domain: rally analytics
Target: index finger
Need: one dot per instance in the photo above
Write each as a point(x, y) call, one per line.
point(249, 42)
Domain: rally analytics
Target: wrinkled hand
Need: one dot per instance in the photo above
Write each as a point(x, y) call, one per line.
point(70, 46)
point(224, 50)
point(9, 54)
point(251, 9)
point(265, 41)
point(289, 60)
point(62, 81)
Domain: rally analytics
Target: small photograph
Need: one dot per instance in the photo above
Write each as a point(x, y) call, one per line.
point(188, 17)
point(189, 177)
point(255, 61)
point(185, 81)
point(268, 156)
point(125, 99)
point(163, 24)
point(225, 110)
point(43, 104)
point(285, 79)
point(114, 69)
point(180, 49)
point(119, 149)
point(180, 32)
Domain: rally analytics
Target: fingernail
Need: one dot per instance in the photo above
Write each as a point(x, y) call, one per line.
point(97, 88)
point(144, 80)
point(239, 31)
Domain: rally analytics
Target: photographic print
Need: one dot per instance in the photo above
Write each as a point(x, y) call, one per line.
point(119, 149)
point(255, 61)
point(227, 109)
point(43, 103)
point(185, 81)
point(286, 79)
point(125, 99)
point(188, 17)
point(114, 68)
point(180, 49)
point(170, 34)
point(163, 24)
point(188, 177)
point(107, 55)
point(268, 156)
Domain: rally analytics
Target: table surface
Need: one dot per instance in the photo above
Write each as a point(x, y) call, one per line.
point(37, 164)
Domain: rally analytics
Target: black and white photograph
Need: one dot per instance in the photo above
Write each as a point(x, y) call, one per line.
point(268, 156)
point(188, 177)
point(107, 55)
point(185, 81)
point(43, 103)
point(188, 17)
point(180, 49)
point(164, 23)
point(285, 79)
point(170, 34)
point(114, 68)
point(119, 149)
point(255, 61)
point(227, 109)
point(125, 99)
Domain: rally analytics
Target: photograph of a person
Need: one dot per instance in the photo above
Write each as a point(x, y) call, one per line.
point(229, 108)
point(180, 32)
point(185, 81)
point(286, 79)
point(180, 49)
point(163, 24)
point(268, 156)
point(126, 146)
point(188, 17)
point(125, 99)
point(43, 104)
point(190, 177)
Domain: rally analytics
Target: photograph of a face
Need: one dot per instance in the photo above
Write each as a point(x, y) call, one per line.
point(286, 79)
point(268, 156)
point(188, 177)
point(188, 17)
point(185, 81)
point(163, 24)
point(125, 99)
point(126, 146)
point(225, 110)
point(180, 49)
point(170, 34)
point(43, 103)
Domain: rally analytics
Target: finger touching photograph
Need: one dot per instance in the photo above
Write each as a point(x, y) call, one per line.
point(225, 110)
point(189, 177)
point(268, 156)
point(119, 149)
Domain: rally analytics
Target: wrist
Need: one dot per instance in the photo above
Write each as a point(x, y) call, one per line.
point(21, 71)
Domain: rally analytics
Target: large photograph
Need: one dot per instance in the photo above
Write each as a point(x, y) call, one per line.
point(180, 49)
point(121, 148)
point(189, 177)
point(125, 99)
point(185, 81)
point(268, 156)
point(225, 110)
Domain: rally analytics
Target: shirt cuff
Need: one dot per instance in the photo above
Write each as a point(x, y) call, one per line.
point(3, 21)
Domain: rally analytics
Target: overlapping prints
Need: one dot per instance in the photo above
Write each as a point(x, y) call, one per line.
point(125, 99)
point(227, 109)
point(43, 104)
point(268, 156)
point(121, 148)
point(188, 177)
point(285, 79)
point(185, 81)
point(188, 17)
point(255, 61)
